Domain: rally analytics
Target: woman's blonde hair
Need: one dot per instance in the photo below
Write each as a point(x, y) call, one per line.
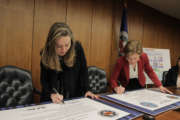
point(48, 54)
point(133, 46)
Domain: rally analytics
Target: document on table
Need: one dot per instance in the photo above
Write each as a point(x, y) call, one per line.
point(148, 99)
point(77, 109)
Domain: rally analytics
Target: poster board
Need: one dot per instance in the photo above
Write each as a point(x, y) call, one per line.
point(159, 60)
point(74, 109)
point(153, 102)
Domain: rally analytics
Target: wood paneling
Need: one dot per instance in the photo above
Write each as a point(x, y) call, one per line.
point(149, 33)
point(101, 34)
point(115, 33)
point(46, 13)
point(161, 31)
point(16, 23)
point(79, 18)
point(135, 21)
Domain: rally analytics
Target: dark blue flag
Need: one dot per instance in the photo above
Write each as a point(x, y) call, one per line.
point(123, 32)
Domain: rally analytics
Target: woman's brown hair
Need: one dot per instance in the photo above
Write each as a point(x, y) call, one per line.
point(133, 46)
point(49, 58)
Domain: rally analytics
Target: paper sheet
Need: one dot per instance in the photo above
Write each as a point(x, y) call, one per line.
point(148, 99)
point(78, 109)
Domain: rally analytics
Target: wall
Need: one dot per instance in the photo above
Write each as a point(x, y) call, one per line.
point(25, 25)
point(152, 28)
point(16, 23)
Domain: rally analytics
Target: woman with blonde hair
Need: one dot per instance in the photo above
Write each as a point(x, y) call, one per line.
point(63, 66)
point(129, 70)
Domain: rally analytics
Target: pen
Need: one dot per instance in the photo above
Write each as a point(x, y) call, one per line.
point(57, 94)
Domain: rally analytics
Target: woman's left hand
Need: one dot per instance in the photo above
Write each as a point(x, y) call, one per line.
point(164, 90)
point(90, 94)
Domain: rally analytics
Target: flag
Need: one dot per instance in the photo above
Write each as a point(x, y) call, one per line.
point(123, 39)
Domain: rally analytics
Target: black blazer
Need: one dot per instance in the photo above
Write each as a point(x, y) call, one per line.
point(71, 82)
point(171, 77)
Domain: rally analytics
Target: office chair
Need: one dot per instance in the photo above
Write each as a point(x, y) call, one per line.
point(97, 80)
point(15, 87)
point(164, 78)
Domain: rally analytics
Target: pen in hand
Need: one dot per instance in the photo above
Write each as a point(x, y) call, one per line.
point(58, 94)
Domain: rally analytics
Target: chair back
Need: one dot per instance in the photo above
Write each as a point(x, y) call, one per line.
point(15, 86)
point(164, 77)
point(97, 80)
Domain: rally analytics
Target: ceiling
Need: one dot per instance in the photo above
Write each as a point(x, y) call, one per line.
point(169, 7)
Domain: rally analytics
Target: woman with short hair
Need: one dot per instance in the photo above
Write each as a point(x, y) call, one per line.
point(129, 70)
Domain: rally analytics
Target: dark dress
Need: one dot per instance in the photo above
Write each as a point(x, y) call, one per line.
point(171, 77)
point(133, 84)
point(71, 82)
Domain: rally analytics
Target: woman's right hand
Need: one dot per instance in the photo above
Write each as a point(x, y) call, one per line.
point(56, 98)
point(119, 89)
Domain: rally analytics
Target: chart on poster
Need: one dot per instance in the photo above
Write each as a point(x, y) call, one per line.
point(159, 60)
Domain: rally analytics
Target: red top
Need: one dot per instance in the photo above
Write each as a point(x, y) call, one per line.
point(121, 72)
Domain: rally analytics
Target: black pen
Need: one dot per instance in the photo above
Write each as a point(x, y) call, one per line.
point(57, 94)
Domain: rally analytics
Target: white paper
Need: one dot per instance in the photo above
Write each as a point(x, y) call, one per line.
point(159, 60)
point(148, 99)
point(78, 109)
